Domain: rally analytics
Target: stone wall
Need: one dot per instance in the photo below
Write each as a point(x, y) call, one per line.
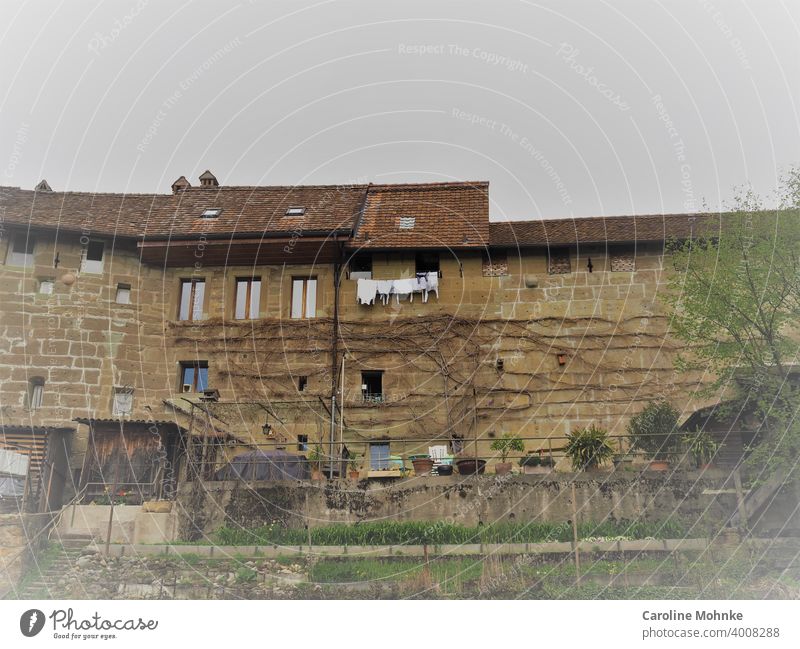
point(15, 530)
point(686, 496)
point(440, 358)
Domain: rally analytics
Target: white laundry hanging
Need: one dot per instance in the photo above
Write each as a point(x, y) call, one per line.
point(427, 282)
point(366, 291)
point(385, 290)
point(403, 287)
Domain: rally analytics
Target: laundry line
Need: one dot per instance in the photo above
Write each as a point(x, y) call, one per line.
point(369, 290)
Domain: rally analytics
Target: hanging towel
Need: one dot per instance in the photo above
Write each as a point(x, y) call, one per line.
point(366, 290)
point(404, 287)
point(427, 282)
point(384, 289)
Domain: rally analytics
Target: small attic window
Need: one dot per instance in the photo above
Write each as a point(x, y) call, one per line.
point(211, 213)
point(295, 211)
point(407, 222)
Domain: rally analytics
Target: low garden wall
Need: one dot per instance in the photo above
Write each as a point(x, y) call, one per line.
point(697, 499)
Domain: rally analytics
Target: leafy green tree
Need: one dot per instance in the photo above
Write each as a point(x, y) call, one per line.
point(654, 430)
point(734, 299)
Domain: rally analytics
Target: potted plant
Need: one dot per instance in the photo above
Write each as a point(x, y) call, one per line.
point(702, 447)
point(315, 458)
point(469, 465)
point(654, 431)
point(535, 463)
point(505, 445)
point(588, 448)
point(423, 464)
point(352, 466)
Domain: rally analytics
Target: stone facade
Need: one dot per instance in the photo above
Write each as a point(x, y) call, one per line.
point(529, 352)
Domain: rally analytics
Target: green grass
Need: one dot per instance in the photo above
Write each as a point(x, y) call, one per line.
point(419, 533)
point(448, 573)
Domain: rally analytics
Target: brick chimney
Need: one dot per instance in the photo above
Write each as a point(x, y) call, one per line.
point(180, 185)
point(207, 179)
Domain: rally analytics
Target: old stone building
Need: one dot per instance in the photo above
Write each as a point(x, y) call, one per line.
point(141, 330)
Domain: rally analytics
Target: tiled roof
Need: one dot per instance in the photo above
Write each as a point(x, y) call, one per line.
point(452, 215)
point(245, 210)
point(440, 215)
point(610, 229)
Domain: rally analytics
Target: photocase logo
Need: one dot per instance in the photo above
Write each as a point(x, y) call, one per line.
point(31, 622)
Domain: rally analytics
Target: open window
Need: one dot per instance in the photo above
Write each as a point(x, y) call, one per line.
point(304, 297)
point(361, 266)
point(93, 257)
point(47, 286)
point(192, 298)
point(427, 262)
point(20, 251)
point(372, 386)
point(302, 383)
point(194, 376)
point(302, 442)
point(248, 298)
point(123, 295)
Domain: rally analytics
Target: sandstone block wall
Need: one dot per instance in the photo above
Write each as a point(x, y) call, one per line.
point(440, 359)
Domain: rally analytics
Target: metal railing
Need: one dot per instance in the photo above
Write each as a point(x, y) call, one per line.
point(550, 451)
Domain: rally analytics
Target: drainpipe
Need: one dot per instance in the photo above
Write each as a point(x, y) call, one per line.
point(333, 434)
point(337, 267)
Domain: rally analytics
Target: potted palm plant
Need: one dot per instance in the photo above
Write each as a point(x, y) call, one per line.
point(654, 431)
point(505, 445)
point(315, 457)
point(588, 448)
point(352, 466)
point(702, 447)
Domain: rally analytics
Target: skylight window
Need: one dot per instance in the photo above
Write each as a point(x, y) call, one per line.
point(211, 213)
point(407, 222)
point(295, 211)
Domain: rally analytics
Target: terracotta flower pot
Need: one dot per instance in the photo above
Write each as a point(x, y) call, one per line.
point(316, 474)
point(422, 465)
point(502, 468)
point(354, 475)
point(659, 465)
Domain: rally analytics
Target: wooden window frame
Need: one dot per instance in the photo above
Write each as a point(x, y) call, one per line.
point(192, 299)
point(248, 305)
point(196, 366)
point(304, 302)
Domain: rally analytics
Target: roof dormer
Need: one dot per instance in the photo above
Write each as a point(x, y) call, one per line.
point(180, 185)
point(207, 179)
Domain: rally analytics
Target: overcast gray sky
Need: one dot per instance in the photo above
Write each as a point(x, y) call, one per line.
point(567, 108)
